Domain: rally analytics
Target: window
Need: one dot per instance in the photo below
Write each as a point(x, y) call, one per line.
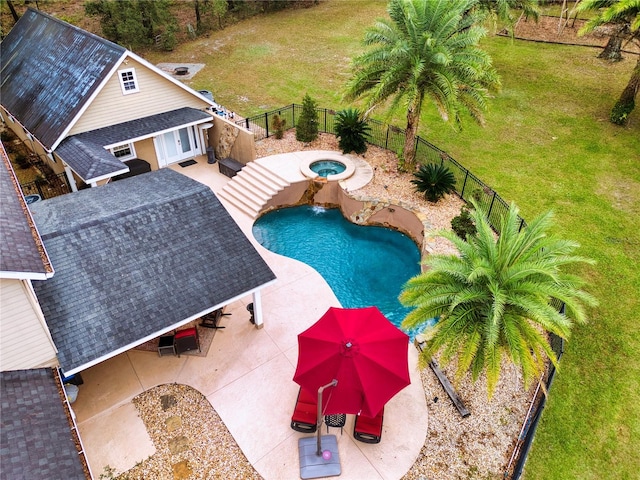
point(124, 152)
point(128, 81)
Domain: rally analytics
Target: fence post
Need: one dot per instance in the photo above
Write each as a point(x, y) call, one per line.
point(464, 185)
point(325, 120)
point(491, 206)
point(266, 123)
point(521, 224)
point(246, 121)
point(386, 142)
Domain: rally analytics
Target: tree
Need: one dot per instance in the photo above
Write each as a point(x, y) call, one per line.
point(496, 297)
point(434, 181)
point(428, 48)
point(503, 9)
point(307, 127)
point(625, 15)
point(352, 131)
point(133, 23)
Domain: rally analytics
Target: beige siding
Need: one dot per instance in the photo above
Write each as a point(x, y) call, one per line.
point(33, 145)
point(24, 338)
point(157, 95)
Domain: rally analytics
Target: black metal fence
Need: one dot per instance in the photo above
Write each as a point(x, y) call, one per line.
point(392, 138)
point(50, 187)
point(467, 186)
point(528, 430)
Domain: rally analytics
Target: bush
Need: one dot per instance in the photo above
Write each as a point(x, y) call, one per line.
point(434, 180)
point(22, 161)
point(278, 125)
point(352, 131)
point(307, 128)
point(463, 224)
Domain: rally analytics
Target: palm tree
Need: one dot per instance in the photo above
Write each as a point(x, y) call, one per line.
point(494, 299)
point(428, 48)
point(624, 16)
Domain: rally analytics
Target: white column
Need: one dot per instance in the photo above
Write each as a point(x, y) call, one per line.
point(70, 178)
point(257, 309)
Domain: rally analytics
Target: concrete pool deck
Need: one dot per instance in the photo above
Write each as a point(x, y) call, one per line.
point(247, 376)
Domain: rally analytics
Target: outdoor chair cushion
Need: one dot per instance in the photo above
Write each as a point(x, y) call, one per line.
point(304, 418)
point(367, 429)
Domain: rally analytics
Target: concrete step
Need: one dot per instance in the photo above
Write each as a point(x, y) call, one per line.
point(272, 173)
point(255, 186)
point(238, 202)
point(247, 190)
point(252, 188)
point(269, 177)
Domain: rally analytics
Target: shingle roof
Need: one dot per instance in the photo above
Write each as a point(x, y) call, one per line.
point(135, 257)
point(85, 152)
point(35, 436)
point(21, 251)
point(48, 70)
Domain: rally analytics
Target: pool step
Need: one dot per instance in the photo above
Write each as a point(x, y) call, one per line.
point(252, 188)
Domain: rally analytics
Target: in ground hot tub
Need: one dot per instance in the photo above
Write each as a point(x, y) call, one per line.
point(327, 165)
point(324, 168)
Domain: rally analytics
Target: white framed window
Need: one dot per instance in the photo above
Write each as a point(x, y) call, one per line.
point(128, 81)
point(124, 152)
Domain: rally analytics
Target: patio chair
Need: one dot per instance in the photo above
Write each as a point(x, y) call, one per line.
point(367, 429)
point(185, 340)
point(337, 420)
point(304, 416)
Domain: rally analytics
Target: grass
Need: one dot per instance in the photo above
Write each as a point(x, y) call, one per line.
point(547, 144)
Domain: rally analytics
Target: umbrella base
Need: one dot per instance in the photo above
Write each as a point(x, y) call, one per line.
point(314, 466)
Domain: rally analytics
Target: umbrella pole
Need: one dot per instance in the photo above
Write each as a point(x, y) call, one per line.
point(333, 383)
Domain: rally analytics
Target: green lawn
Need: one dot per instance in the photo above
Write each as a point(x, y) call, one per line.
point(547, 144)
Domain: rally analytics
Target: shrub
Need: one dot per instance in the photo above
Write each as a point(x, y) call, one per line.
point(278, 125)
point(434, 181)
point(307, 128)
point(352, 131)
point(463, 224)
point(22, 161)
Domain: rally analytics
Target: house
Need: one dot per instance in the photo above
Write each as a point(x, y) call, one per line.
point(138, 258)
point(91, 274)
point(95, 110)
point(36, 439)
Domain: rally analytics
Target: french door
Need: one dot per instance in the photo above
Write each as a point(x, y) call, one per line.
point(178, 145)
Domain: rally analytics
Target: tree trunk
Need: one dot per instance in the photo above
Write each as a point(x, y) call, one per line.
point(409, 151)
point(14, 14)
point(626, 103)
point(611, 51)
point(198, 19)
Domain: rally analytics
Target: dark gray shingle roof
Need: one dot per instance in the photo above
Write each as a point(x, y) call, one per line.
point(48, 70)
point(85, 152)
point(35, 436)
point(135, 257)
point(21, 253)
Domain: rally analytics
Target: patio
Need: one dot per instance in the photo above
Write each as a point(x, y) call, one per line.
point(247, 378)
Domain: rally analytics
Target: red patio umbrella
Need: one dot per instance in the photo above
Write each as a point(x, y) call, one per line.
point(363, 351)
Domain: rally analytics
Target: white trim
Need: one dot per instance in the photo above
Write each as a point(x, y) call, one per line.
point(89, 100)
point(33, 300)
point(157, 133)
point(165, 330)
point(95, 180)
point(123, 83)
point(9, 275)
point(171, 79)
point(130, 146)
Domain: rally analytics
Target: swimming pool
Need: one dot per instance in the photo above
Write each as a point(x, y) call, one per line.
point(363, 265)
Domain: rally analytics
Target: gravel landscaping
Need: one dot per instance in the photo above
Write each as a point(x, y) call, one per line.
point(192, 442)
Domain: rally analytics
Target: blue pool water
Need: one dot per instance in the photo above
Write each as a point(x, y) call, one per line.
point(324, 168)
point(363, 265)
